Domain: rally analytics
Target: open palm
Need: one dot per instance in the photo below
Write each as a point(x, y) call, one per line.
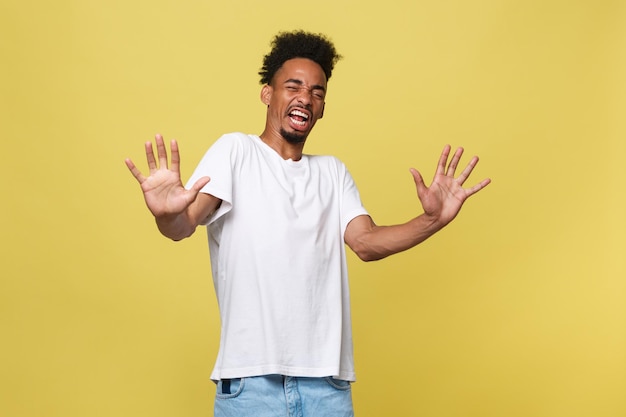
point(444, 198)
point(163, 189)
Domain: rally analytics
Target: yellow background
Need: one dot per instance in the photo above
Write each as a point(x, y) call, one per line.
point(516, 309)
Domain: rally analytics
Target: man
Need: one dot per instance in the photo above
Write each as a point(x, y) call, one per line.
point(277, 223)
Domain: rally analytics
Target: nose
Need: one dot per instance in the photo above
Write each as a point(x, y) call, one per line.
point(304, 99)
point(305, 96)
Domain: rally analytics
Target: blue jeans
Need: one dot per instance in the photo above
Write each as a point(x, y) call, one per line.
point(283, 396)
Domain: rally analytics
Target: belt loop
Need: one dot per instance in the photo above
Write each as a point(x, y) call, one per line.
point(226, 386)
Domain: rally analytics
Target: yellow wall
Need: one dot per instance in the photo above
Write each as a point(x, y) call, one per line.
point(517, 309)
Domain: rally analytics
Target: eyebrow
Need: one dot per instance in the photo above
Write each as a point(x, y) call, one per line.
point(299, 82)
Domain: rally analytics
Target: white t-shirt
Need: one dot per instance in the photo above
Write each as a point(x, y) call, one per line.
point(278, 260)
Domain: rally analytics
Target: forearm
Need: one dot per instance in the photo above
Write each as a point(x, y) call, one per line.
point(379, 242)
point(177, 226)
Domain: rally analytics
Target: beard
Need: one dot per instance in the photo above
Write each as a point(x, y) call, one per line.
point(294, 138)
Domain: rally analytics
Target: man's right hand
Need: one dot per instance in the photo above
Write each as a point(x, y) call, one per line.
point(177, 211)
point(163, 189)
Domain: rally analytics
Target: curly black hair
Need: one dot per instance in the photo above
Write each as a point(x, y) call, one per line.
point(299, 44)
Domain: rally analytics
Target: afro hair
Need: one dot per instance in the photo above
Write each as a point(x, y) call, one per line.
point(299, 44)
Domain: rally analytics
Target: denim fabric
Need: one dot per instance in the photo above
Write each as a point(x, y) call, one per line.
point(283, 396)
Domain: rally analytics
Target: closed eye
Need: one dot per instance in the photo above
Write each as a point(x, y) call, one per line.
point(295, 86)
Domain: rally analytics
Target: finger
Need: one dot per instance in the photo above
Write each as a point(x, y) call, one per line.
point(150, 157)
point(175, 156)
point(198, 185)
point(419, 181)
point(478, 187)
point(161, 152)
point(454, 162)
point(468, 170)
point(133, 170)
point(443, 159)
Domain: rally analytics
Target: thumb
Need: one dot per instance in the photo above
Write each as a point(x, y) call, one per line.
point(419, 181)
point(197, 186)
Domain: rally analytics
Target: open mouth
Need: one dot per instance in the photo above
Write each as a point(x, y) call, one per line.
point(298, 117)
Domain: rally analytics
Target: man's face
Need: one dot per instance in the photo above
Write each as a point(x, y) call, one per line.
point(295, 99)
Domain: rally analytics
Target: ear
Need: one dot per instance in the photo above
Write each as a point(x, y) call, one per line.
point(266, 94)
point(323, 107)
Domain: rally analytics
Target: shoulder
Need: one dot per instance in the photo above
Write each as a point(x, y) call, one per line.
point(235, 142)
point(328, 163)
point(327, 160)
point(234, 138)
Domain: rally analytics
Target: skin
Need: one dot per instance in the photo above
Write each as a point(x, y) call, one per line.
point(300, 84)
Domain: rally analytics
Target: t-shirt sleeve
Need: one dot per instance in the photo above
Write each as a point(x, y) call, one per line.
point(217, 164)
point(351, 205)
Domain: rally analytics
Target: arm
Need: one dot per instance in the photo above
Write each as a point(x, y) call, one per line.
point(441, 203)
point(177, 211)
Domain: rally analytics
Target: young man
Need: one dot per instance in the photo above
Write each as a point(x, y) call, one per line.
point(277, 223)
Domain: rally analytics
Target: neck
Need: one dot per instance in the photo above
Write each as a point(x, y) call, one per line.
point(285, 149)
